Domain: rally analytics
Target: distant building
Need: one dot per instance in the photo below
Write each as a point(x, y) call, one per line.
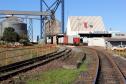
point(118, 34)
point(85, 24)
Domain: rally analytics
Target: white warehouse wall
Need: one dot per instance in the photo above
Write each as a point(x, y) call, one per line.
point(84, 24)
point(69, 32)
point(96, 42)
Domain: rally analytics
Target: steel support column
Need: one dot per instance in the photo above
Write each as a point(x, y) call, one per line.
point(30, 30)
point(41, 20)
point(62, 13)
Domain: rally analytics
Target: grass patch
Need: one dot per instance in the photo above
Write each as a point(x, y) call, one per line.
point(59, 76)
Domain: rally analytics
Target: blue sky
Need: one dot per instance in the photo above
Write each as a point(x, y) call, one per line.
point(112, 11)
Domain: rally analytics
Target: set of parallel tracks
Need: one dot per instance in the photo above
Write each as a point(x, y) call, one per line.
point(23, 66)
point(107, 72)
point(121, 63)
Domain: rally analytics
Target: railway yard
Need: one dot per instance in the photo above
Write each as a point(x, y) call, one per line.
point(66, 65)
point(62, 42)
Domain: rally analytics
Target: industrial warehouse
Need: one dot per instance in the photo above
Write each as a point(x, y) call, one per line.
point(90, 30)
point(62, 42)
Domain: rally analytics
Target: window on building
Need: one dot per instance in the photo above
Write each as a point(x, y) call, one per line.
point(91, 26)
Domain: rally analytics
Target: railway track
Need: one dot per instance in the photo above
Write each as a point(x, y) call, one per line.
point(101, 70)
point(121, 63)
point(108, 72)
point(23, 66)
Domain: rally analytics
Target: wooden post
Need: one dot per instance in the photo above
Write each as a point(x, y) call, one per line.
point(31, 53)
point(6, 58)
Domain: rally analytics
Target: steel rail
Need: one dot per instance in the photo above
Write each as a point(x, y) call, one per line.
point(13, 69)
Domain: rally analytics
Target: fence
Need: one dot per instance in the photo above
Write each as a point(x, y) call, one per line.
point(12, 55)
point(117, 52)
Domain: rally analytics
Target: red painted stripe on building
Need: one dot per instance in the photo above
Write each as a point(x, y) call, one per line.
point(85, 25)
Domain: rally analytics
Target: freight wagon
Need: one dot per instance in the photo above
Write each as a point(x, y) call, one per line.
point(76, 40)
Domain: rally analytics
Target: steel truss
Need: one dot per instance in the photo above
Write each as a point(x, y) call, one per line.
point(47, 13)
point(44, 6)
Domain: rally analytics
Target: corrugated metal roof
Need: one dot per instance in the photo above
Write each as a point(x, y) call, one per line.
point(13, 19)
point(85, 24)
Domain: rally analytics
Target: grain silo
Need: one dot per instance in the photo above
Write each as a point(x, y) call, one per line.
point(17, 24)
point(1, 34)
point(52, 27)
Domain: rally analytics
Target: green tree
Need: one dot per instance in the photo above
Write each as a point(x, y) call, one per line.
point(24, 40)
point(10, 35)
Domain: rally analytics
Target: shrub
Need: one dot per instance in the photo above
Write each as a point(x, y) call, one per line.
point(10, 35)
